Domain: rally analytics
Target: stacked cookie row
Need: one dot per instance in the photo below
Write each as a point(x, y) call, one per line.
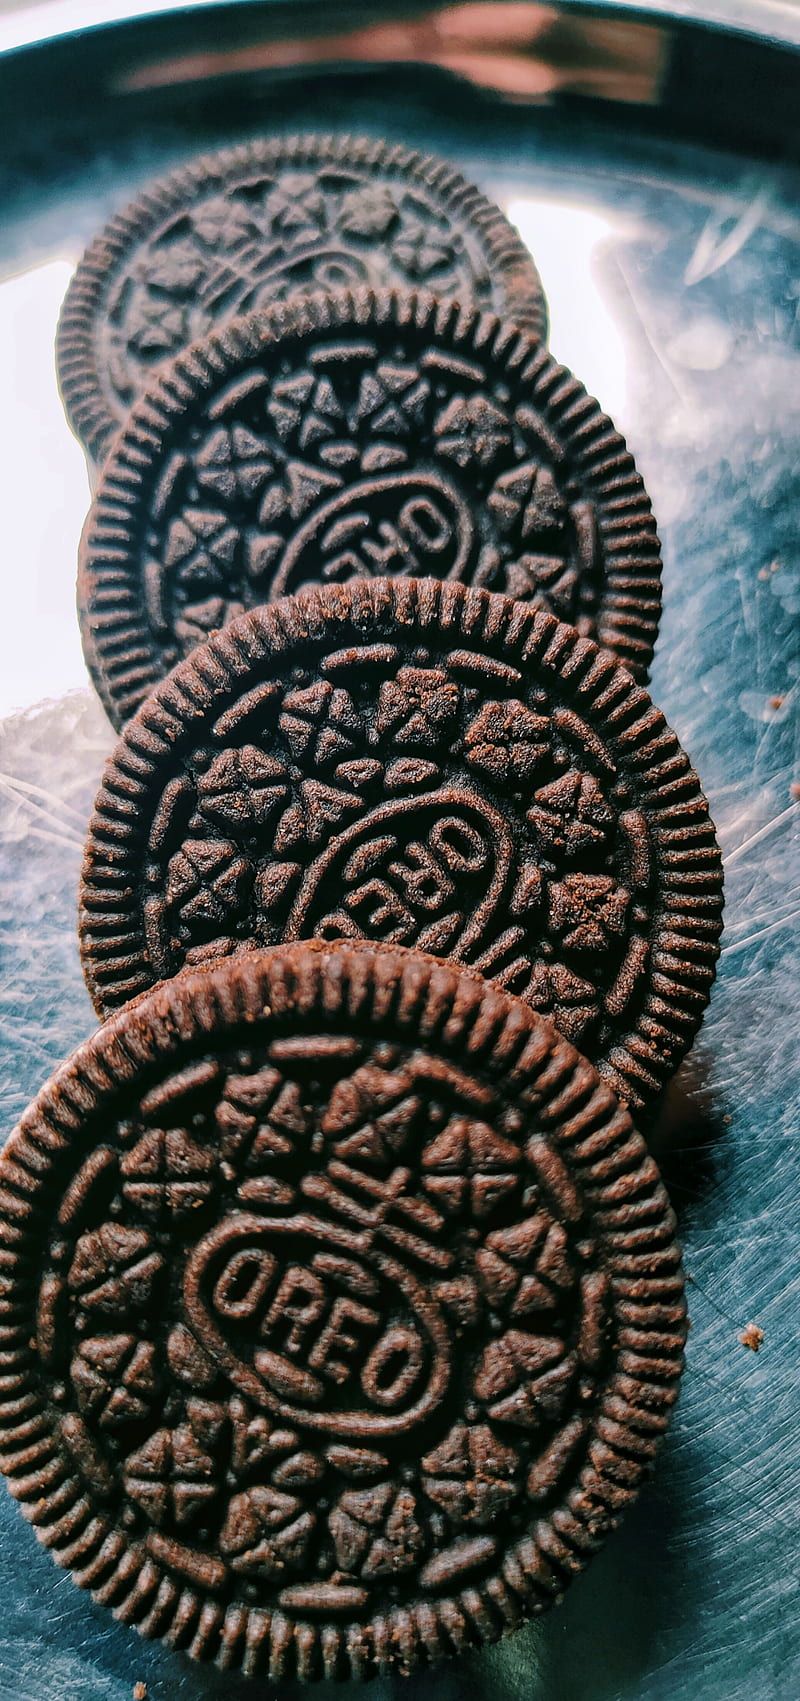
point(341, 1312)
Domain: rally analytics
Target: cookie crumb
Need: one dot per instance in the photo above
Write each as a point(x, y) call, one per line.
point(776, 702)
point(764, 573)
point(794, 790)
point(751, 1337)
point(140, 1691)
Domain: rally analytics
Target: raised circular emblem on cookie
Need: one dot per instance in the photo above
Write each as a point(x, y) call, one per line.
point(426, 765)
point(352, 437)
point(340, 1312)
point(241, 229)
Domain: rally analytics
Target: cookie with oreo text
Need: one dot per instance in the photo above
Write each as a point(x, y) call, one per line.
point(427, 765)
point(356, 436)
point(245, 227)
point(340, 1313)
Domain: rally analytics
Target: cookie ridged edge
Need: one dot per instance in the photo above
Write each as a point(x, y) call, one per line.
point(403, 992)
point(88, 413)
point(117, 645)
point(686, 943)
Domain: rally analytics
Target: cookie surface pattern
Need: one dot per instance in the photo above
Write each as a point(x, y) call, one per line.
point(354, 437)
point(243, 228)
point(340, 1312)
point(426, 765)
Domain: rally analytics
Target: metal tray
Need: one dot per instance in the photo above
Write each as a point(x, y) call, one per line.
point(650, 161)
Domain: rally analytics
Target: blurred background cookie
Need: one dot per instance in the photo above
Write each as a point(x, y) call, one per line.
point(251, 225)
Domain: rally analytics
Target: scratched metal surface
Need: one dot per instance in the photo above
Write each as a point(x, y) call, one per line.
point(673, 277)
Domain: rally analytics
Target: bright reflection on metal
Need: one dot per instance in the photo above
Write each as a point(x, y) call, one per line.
point(567, 242)
point(43, 496)
point(40, 22)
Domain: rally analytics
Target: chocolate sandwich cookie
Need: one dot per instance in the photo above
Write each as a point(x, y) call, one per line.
point(243, 228)
point(340, 1312)
point(351, 437)
point(428, 765)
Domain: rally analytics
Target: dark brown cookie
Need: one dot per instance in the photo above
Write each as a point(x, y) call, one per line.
point(424, 764)
point(358, 436)
point(340, 1312)
point(240, 229)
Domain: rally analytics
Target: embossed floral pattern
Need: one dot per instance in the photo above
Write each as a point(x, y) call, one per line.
point(207, 880)
point(296, 203)
point(160, 329)
point(167, 1174)
point(233, 462)
point(114, 1270)
point(570, 814)
point(525, 1379)
point(171, 1478)
point(221, 221)
point(423, 250)
point(114, 1378)
point(266, 1534)
point(588, 911)
point(200, 546)
point(526, 500)
point(243, 787)
point(472, 428)
point(419, 707)
point(472, 1474)
point(177, 269)
point(508, 741)
point(368, 211)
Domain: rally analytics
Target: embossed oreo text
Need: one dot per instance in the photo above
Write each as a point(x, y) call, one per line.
point(420, 796)
point(313, 1329)
point(410, 522)
point(320, 1341)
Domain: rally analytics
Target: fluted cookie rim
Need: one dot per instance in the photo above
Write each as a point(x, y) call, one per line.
point(387, 991)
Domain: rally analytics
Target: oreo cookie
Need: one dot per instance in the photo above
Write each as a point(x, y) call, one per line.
point(426, 765)
point(340, 1312)
point(352, 437)
point(241, 229)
